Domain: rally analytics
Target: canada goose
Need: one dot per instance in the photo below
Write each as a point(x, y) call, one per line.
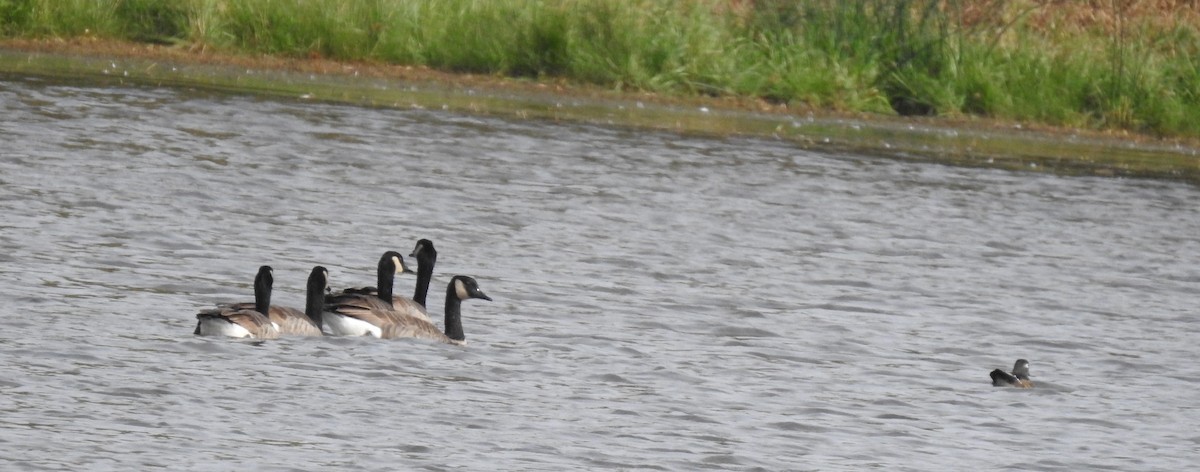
point(415, 307)
point(1018, 378)
point(358, 312)
point(288, 320)
point(426, 257)
point(460, 288)
point(242, 320)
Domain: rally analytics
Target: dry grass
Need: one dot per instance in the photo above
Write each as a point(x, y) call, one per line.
point(1109, 17)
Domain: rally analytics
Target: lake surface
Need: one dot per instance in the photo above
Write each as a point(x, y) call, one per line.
point(661, 302)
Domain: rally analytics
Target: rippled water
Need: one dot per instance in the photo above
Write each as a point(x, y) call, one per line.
point(661, 302)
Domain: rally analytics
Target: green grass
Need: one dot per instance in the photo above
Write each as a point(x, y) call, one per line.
point(889, 56)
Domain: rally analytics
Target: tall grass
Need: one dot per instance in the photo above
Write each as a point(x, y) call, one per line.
point(945, 57)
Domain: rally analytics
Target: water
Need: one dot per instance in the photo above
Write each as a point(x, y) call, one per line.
point(661, 302)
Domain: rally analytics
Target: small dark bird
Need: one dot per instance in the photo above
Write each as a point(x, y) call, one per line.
point(1018, 378)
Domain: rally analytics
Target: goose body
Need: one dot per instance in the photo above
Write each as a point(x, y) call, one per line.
point(288, 320)
point(460, 288)
point(1018, 378)
point(354, 317)
point(400, 304)
point(242, 320)
point(235, 324)
point(294, 322)
point(361, 312)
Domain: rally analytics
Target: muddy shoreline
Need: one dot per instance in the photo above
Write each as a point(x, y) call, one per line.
point(958, 141)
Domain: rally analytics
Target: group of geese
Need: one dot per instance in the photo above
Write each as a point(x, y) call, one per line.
point(367, 311)
point(377, 312)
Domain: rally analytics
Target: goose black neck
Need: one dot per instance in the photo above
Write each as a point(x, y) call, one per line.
point(314, 305)
point(454, 328)
point(425, 261)
point(262, 291)
point(387, 271)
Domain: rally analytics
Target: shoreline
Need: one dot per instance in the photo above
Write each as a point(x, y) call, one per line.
point(966, 141)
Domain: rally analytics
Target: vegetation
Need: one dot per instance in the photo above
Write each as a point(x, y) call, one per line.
point(1115, 64)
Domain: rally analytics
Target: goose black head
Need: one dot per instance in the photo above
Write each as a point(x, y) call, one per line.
point(318, 280)
point(466, 287)
point(392, 261)
point(424, 248)
point(265, 277)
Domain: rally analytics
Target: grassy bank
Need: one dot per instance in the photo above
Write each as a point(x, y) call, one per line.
point(1108, 64)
